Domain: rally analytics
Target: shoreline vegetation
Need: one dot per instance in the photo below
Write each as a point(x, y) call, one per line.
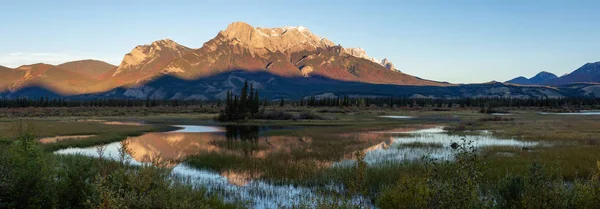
point(57, 181)
point(564, 174)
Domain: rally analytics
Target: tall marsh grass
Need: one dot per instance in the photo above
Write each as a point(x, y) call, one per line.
point(33, 178)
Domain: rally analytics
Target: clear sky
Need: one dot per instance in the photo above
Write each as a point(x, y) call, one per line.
point(448, 40)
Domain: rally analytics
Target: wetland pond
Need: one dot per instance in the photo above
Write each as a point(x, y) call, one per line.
point(580, 113)
point(251, 142)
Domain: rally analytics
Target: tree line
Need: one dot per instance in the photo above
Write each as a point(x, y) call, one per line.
point(248, 102)
point(346, 101)
point(246, 106)
point(21, 102)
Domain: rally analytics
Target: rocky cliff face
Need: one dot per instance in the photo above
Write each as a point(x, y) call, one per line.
point(147, 60)
point(361, 53)
point(287, 51)
point(9, 76)
point(387, 64)
point(264, 40)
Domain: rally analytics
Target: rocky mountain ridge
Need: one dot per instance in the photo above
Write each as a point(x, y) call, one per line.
point(275, 55)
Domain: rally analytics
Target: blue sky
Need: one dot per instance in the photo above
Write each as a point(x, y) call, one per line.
point(458, 41)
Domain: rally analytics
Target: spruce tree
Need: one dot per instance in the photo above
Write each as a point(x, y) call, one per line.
point(235, 111)
point(250, 102)
point(256, 103)
point(243, 100)
point(227, 115)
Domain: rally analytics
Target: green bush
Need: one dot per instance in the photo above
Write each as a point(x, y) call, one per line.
point(33, 178)
point(409, 192)
point(28, 177)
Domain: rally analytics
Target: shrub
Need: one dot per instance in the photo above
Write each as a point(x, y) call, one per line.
point(274, 115)
point(409, 192)
point(33, 178)
point(307, 115)
point(27, 180)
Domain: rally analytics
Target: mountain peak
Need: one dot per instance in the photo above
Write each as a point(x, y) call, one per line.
point(32, 66)
point(284, 39)
point(91, 68)
point(543, 77)
point(593, 67)
point(238, 26)
point(143, 55)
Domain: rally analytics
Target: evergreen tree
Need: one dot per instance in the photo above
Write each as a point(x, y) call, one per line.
point(250, 102)
point(243, 100)
point(235, 112)
point(256, 103)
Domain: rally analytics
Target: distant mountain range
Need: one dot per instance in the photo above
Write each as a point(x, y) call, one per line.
point(539, 79)
point(289, 62)
point(588, 73)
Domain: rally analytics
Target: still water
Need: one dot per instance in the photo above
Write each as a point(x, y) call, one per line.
point(436, 144)
point(176, 146)
point(583, 112)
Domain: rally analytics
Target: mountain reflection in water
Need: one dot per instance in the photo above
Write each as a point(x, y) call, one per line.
point(175, 146)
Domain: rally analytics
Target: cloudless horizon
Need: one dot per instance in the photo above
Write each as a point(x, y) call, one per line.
point(456, 41)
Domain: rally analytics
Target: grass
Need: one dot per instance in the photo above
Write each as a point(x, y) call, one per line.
point(240, 145)
point(104, 133)
point(571, 142)
point(37, 179)
point(569, 152)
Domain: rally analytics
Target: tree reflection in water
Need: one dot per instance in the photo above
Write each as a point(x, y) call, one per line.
point(245, 138)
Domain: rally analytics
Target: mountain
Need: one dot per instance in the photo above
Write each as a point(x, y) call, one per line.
point(94, 69)
point(54, 78)
point(146, 61)
point(287, 51)
point(274, 87)
point(588, 73)
point(77, 77)
point(542, 78)
point(292, 52)
point(519, 80)
point(539, 79)
point(361, 53)
point(8, 75)
point(286, 62)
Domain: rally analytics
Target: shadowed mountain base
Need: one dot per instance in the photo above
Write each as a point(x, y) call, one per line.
point(274, 87)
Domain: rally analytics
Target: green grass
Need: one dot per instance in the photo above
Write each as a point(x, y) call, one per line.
point(104, 138)
point(572, 156)
point(103, 133)
point(570, 147)
point(37, 179)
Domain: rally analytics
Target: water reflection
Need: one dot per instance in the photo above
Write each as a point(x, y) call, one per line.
point(431, 142)
point(583, 112)
point(176, 146)
point(249, 141)
point(241, 140)
point(396, 116)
